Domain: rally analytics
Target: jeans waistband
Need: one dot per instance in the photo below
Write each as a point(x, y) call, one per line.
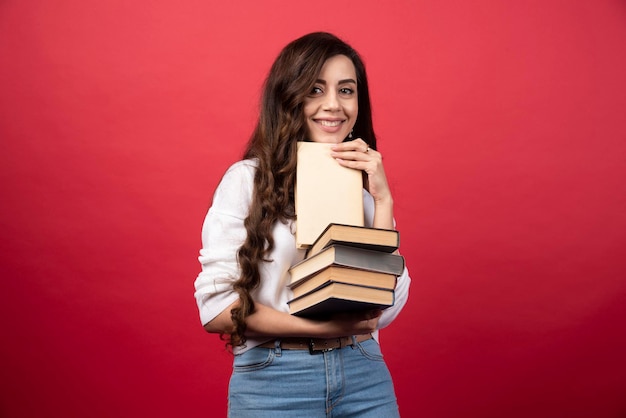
point(315, 344)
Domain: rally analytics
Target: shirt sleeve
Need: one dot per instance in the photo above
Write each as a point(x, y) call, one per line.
point(401, 296)
point(404, 280)
point(223, 232)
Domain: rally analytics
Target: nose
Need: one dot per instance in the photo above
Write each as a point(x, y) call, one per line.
point(331, 101)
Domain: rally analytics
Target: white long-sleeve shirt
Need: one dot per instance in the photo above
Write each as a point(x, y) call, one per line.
point(223, 232)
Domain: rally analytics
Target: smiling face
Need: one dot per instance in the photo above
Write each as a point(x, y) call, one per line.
point(331, 108)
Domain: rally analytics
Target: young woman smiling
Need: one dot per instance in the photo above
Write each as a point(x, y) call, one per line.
point(316, 91)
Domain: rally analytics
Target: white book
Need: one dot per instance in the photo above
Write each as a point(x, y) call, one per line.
point(325, 193)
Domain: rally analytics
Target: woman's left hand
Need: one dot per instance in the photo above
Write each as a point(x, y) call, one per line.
point(358, 155)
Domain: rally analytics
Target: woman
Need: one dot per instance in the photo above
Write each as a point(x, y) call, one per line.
point(316, 91)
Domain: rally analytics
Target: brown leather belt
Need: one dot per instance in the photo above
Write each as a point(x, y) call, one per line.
point(315, 344)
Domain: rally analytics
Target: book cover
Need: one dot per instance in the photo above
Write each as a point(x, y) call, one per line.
point(377, 239)
point(343, 275)
point(340, 297)
point(325, 193)
point(351, 257)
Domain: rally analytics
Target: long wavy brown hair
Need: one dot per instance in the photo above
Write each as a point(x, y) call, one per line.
point(280, 126)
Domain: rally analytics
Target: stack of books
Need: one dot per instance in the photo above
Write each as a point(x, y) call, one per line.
point(347, 268)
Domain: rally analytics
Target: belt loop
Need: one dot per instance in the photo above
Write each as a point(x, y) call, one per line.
point(354, 342)
point(277, 348)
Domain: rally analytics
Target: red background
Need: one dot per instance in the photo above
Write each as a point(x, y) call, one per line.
point(502, 126)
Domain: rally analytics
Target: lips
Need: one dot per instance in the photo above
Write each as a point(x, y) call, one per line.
point(329, 123)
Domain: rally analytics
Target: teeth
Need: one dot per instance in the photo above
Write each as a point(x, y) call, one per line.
point(330, 122)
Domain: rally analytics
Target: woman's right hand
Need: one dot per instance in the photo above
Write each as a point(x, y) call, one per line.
point(351, 323)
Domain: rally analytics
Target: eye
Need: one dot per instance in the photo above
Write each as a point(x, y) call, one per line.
point(346, 91)
point(316, 91)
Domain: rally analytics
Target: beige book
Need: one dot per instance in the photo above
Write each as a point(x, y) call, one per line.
point(385, 240)
point(340, 274)
point(325, 193)
point(340, 297)
point(346, 256)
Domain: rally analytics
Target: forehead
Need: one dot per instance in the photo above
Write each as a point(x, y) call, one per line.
point(339, 67)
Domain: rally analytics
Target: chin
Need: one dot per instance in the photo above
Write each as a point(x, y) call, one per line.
point(329, 139)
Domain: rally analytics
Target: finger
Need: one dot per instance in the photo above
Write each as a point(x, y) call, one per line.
point(354, 145)
point(354, 156)
point(374, 313)
point(368, 315)
point(357, 155)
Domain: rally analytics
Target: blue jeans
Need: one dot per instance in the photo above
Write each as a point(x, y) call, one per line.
point(349, 382)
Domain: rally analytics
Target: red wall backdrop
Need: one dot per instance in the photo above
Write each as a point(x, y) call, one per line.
point(503, 130)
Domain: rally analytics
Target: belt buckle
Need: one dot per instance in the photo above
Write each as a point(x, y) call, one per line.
point(313, 350)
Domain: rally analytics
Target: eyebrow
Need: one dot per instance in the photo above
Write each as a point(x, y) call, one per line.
point(346, 81)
